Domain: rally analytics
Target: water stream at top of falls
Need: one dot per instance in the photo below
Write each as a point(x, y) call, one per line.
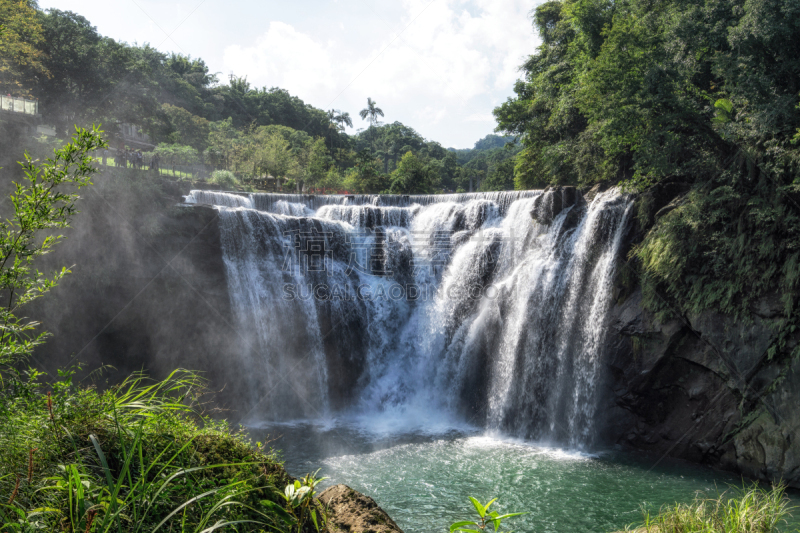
point(484, 308)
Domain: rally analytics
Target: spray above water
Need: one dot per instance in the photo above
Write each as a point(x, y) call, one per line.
point(486, 308)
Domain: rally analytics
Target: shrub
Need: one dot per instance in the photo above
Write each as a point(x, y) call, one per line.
point(224, 178)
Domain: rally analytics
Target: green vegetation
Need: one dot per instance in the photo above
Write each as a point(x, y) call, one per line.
point(646, 92)
point(695, 101)
point(490, 165)
point(266, 137)
point(300, 502)
point(224, 179)
point(138, 456)
point(43, 204)
point(485, 518)
point(20, 53)
point(747, 510)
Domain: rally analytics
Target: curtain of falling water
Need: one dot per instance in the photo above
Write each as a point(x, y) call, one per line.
point(488, 307)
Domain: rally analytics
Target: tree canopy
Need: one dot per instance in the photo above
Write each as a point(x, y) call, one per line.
point(21, 56)
point(629, 90)
point(192, 117)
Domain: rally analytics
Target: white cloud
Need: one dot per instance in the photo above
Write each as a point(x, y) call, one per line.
point(480, 117)
point(284, 57)
point(442, 75)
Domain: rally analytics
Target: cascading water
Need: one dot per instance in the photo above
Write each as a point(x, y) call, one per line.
point(486, 307)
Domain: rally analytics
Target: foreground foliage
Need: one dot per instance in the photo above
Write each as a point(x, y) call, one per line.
point(746, 510)
point(136, 457)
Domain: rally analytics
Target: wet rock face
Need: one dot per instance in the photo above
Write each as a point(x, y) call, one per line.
point(703, 388)
point(553, 201)
point(350, 511)
point(147, 292)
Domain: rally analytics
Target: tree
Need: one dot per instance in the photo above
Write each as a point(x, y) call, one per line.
point(332, 125)
point(301, 144)
point(44, 202)
point(343, 119)
point(319, 163)
point(223, 140)
point(21, 57)
point(365, 176)
point(413, 176)
point(186, 128)
point(501, 178)
point(176, 154)
point(272, 154)
point(371, 113)
point(71, 48)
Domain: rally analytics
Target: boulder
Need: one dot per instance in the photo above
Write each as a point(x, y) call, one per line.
point(350, 511)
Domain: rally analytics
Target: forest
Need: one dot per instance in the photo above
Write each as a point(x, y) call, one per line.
point(195, 118)
point(693, 100)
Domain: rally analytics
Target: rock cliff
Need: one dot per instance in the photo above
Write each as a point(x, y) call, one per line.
point(147, 290)
point(708, 388)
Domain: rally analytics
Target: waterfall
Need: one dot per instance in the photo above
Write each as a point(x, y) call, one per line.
point(489, 307)
point(267, 201)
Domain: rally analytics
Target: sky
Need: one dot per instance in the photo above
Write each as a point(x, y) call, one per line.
point(439, 66)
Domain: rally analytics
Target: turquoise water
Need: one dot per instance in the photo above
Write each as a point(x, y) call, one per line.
point(423, 480)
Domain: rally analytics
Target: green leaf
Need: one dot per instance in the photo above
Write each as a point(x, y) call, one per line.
point(280, 511)
point(509, 515)
point(478, 507)
point(724, 104)
point(459, 525)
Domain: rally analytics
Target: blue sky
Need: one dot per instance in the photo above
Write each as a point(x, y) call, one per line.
point(439, 66)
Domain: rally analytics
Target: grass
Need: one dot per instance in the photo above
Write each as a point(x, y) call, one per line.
point(134, 458)
point(747, 510)
point(166, 170)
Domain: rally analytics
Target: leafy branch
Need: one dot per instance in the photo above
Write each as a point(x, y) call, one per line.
point(43, 203)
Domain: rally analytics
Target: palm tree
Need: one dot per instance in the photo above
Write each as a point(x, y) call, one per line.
point(372, 111)
point(343, 119)
point(332, 121)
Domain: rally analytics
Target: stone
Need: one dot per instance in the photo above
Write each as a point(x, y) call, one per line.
point(350, 511)
point(548, 205)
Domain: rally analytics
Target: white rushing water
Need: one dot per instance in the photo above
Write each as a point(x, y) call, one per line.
point(488, 308)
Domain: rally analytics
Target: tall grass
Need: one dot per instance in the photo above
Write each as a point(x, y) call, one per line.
point(750, 509)
point(135, 458)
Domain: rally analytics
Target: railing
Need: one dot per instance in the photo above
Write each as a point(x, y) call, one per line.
point(12, 104)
